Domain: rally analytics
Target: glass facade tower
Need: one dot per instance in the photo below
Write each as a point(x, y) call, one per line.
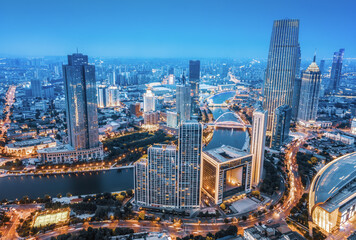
point(309, 93)
point(336, 68)
point(81, 102)
point(194, 79)
point(183, 101)
point(283, 61)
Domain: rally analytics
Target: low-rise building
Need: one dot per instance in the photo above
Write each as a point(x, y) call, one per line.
point(340, 137)
point(332, 196)
point(28, 147)
point(67, 154)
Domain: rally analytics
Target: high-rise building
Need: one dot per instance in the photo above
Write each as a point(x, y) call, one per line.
point(296, 98)
point(322, 66)
point(190, 136)
point(309, 93)
point(194, 79)
point(281, 124)
point(150, 118)
point(172, 119)
point(81, 102)
point(283, 61)
point(183, 100)
point(103, 96)
point(336, 68)
point(162, 176)
point(149, 101)
point(48, 91)
point(259, 127)
point(36, 87)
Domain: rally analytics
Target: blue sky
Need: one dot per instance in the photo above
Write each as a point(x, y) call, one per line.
point(171, 28)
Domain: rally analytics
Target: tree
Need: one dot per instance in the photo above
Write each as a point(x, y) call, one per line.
point(69, 194)
point(59, 195)
point(141, 215)
point(223, 206)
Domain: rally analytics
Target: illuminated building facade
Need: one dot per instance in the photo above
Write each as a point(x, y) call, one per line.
point(149, 101)
point(156, 178)
point(332, 196)
point(226, 172)
point(282, 64)
point(81, 102)
point(309, 93)
point(190, 137)
point(259, 127)
point(183, 100)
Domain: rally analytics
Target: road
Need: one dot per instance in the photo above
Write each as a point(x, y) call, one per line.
point(16, 213)
point(10, 99)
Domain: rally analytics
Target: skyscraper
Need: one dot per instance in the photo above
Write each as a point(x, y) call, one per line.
point(281, 124)
point(162, 176)
point(103, 96)
point(259, 127)
point(149, 101)
point(36, 87)
point(336, 70)
point(309, 93)
point(194, 79)
point(81, 102)
point(183, 100)
point(296, 98)
point(190, 136)
point(322, 66)
point(283, 61)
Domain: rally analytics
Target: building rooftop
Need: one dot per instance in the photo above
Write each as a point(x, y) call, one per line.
point(226, 153)
point(31, 142)
point(333, 183)
point(60, 148)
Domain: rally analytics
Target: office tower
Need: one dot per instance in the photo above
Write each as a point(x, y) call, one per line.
point(171, 70)
point(336, 68)
point(81, 102)
point(190, 149)
point(259, 127)
point(309, 93)
point(283, 60)
point(194, 79)
point(299, 60)
point(103, 96)
point(296, 98)
point(149, 101)
point(36, 88)
point(48, 91)
point(112, 79)
point(172, 119)
point(183, 100)
point(281, 124)
point(322, 66)
point(224, 70)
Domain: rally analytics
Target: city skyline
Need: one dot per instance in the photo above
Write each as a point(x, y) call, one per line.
point(119, 29)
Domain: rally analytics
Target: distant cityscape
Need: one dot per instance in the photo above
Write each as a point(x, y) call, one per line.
point(112, 148)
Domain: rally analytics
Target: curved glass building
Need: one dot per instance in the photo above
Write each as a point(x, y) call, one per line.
point(332, 196)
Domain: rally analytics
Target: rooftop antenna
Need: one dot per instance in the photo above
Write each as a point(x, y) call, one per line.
point(314, 55)
point(77, 50)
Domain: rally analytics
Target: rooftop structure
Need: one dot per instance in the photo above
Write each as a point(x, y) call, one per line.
point(226, 172)
point(332, 198)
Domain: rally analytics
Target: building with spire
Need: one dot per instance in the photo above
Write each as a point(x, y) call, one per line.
point(149, 101)
point(309, 93)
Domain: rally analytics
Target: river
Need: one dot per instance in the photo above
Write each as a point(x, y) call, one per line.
point(104, 181)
